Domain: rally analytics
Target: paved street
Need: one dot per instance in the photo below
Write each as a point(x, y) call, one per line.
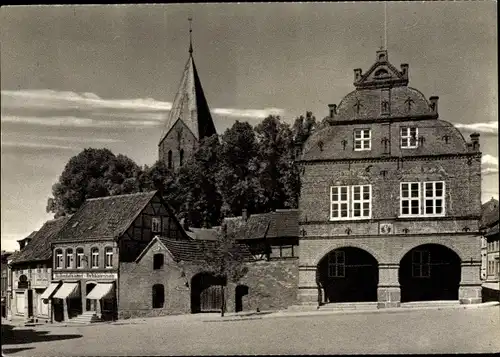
point(420, 331)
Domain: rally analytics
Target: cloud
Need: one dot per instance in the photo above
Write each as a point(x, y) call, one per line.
point(489, 160)
point(141, 109)
point(489, 171)
point(490, 127)
point(38, 146)
point(75, 139)
point(78, 122)
point(248, 113)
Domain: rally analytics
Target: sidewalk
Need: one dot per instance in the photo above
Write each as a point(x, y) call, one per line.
point(318, 312)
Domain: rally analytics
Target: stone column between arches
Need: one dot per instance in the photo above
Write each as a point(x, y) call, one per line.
point(389, 290)
point(308, 289)
point(470, 288)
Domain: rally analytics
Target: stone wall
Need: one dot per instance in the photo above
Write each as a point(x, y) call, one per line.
point(171, 142)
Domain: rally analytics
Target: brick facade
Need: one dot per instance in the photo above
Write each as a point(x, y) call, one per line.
point(384, 105)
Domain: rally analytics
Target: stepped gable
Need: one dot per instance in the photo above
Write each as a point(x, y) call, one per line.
point(39, 248)
point(104, 217)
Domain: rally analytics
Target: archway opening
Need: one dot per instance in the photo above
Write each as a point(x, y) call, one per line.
point(348, 275)
point(240, 292)
point(206, 293)
point(429, 272)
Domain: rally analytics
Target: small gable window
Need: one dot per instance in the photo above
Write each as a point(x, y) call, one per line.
point(158, 296)
point(181, 157)
point(169, 159)
point(158, 261)
point(381, 73)
point(362, 139)
point(156, 224)
point(69, 258)
point(59, 259)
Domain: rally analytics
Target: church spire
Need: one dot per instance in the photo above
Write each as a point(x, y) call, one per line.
point(190, 19)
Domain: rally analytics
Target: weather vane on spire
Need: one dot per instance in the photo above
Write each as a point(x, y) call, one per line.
point(190, 19)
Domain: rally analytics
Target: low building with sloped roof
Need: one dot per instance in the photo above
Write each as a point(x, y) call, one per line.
point(490, 251)
point(171, 276)
point(31, 271)
point(90, 249)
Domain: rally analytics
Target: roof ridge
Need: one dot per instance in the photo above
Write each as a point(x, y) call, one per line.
point(124, 195)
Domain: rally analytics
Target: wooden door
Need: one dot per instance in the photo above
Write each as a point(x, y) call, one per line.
point(211, 298)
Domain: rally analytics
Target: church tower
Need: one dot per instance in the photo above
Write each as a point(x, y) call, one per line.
point(189, 119)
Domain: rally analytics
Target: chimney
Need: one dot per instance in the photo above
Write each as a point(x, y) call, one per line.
point(357, 74)
point(244, 214)
point(434, 104)
point(333, 109)
point(474, 138)
point(404, 70)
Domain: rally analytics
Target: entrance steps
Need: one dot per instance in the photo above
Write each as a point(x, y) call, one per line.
point(435, 303)
point(86, 318)
point(338, 306)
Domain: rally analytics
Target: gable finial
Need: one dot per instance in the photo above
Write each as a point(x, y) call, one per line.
point(190, 19)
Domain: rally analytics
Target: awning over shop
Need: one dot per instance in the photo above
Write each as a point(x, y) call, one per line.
point(100, 291)
point(67, 290)
point(47, 294)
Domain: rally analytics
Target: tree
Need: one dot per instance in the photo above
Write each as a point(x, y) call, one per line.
point(197, 182)
point(159, 177)
point(278, 174)
point(303, 127)
point(90, 174)
point(237, 177)
point(225, 258)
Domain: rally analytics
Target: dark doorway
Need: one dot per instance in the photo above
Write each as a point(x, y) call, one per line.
point(158, 296)
point(348, 275)
point(240, 292)
point(429, 272)
point(90, 304)
point(206, 293)
point(30, 303)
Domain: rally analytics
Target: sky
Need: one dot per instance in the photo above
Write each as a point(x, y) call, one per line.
point(74, 77)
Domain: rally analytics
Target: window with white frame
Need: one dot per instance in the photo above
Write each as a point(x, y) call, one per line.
point(409, 138)
point(95, 258)
point(59, 259)
point(350, 202)
point(69, 258)
point(336, 264)
point(79, 258)
point(421, 264)
point(430, 203)
point(156, 224)
point(434, 198)
point(109, 257)
point(362, 139)
point(410, 198)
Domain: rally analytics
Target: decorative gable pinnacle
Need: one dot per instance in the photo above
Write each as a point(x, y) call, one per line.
point(382, 74)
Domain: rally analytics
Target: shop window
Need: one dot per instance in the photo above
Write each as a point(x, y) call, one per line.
point(158, 261)
point(158, 296)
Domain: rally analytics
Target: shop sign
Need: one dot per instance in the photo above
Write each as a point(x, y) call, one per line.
point(85, 275)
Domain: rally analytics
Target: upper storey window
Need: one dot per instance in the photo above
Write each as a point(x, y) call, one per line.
point(429, 203)
point(409, 138)
point(362, 139)
point(350, 202)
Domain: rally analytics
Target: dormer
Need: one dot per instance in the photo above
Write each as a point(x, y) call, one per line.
point(382, 74)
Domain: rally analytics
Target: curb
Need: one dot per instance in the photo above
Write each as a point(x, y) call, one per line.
point(284, 314)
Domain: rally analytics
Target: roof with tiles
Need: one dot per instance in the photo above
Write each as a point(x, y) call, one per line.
point(195, 250)
point(489, 213)
point(104, 217)
point(39, 248)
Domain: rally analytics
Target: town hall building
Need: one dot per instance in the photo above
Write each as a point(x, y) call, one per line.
point(390, 199)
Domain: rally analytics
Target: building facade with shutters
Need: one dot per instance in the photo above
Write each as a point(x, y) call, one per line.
point(89, 250)
point(390, 199)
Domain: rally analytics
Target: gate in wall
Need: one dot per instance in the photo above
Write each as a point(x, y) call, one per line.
point(206, 293)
